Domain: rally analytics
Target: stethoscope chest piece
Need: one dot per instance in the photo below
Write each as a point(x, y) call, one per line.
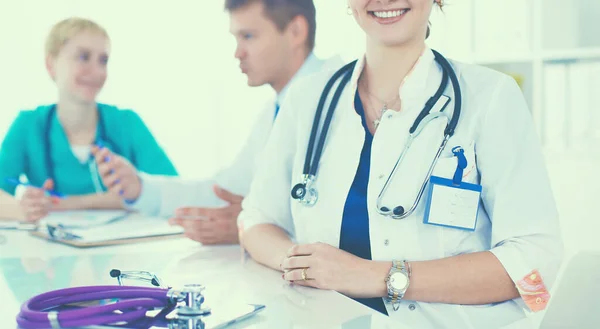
point(304, 192)
point(193, 298)
point(299, 191)
point(187, 322)
point(192, 313)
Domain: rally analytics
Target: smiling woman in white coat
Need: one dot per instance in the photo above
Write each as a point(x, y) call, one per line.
point(464, 237)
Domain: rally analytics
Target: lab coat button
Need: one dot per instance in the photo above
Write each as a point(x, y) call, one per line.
point(386, 242)
point(412, 307)
point(382, 176)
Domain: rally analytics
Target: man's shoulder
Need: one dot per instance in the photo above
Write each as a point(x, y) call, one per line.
point(333, 63)
point(318, 65)
point(317, 80)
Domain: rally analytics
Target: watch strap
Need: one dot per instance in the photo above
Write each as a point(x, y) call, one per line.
point(394, 296)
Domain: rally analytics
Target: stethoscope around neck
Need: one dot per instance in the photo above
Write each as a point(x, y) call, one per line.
point(307, 194)
point(101, 140)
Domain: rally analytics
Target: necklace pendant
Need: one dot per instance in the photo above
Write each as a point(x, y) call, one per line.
point(376, 123)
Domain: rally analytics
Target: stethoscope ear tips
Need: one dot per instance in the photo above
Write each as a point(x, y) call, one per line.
point(398, 211)
point(307, 196)
point(115, 273)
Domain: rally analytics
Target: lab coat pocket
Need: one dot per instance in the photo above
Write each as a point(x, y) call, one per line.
point(447, 163)
point(454, 241)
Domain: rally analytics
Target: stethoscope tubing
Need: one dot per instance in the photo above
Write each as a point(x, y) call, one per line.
point(134, 303)
point(92, 167)
point(309, 167)
point(312, 160)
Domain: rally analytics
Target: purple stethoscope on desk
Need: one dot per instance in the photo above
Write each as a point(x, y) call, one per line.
point(131, 306)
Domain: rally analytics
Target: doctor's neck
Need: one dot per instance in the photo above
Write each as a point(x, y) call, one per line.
point(77, 118)
point(386, 67)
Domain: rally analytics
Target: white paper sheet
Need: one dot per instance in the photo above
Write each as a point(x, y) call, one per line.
point(83, 219)
point(133, 226)
point(455, 207)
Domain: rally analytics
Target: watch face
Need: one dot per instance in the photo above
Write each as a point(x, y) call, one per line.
point(398, 281)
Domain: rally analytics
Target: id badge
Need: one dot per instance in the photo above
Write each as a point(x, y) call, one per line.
point(452, 202)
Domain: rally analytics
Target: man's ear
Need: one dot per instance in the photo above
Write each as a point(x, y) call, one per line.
point(298, 29)
point(50, 67)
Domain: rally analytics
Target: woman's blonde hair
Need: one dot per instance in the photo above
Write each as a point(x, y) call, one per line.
point(66, 29)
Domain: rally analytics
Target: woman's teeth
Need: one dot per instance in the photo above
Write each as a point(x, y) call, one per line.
point(389, 14)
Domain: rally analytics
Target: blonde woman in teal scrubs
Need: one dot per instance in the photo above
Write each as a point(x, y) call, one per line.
point(51, 145)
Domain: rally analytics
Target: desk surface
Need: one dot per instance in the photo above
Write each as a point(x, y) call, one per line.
point(30, 266)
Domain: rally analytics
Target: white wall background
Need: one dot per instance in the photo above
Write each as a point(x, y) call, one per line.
point(172, 61)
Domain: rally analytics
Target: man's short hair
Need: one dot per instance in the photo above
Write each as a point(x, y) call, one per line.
point(282, 12)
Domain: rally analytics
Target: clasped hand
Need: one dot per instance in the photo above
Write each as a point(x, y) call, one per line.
point(323, 266)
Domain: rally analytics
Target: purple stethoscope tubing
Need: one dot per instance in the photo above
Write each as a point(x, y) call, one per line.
point(133, 303)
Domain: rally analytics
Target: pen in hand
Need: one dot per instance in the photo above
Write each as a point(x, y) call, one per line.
point(37, 202)
point(16, 182)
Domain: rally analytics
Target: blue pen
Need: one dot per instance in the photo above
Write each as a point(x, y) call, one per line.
point(16, 182)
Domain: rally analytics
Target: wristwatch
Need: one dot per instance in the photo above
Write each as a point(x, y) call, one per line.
point(397, 282)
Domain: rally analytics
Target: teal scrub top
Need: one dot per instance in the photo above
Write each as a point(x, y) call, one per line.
point(23, 150)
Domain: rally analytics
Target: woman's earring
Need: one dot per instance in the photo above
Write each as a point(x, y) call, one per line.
point(349, 11)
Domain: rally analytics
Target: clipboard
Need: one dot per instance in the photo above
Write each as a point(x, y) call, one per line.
point(128, 228)
point(89, 244)
point(17, 226)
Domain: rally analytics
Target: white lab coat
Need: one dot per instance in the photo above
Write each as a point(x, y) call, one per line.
point(517, 219)
point(162, 195)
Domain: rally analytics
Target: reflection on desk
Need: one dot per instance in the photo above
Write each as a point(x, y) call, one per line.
point(30, 266)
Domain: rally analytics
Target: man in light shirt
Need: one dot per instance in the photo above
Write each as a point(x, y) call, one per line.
point(275, 41)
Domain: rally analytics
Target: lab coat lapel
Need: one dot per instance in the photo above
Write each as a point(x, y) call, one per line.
point(346, 137)
point(393, 131)
point(337, 168)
